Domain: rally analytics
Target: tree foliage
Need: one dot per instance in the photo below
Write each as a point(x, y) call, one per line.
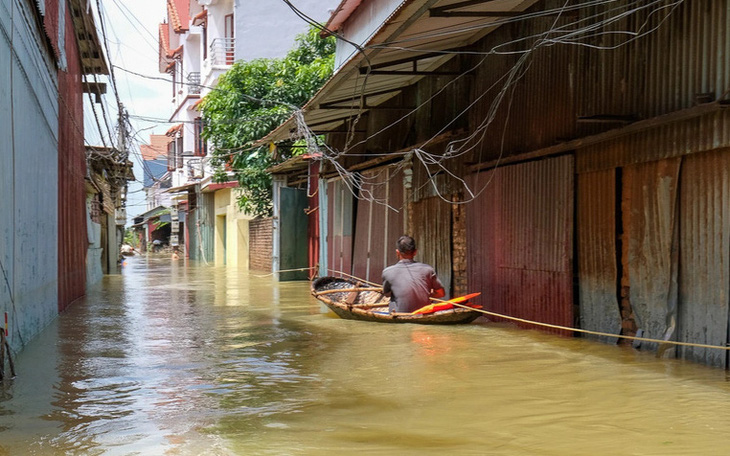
point(253, 98)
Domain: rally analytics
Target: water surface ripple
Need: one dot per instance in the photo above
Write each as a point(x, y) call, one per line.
point(172, 358)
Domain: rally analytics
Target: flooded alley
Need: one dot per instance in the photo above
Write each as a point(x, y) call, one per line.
point(173, 358)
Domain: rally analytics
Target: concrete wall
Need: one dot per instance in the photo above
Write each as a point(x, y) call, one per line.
point(231, 231)
point(267, 28)
point(260, 241)
point(28, 175)
point(363, 23)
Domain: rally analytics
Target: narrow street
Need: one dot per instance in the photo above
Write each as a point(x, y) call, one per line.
point(170, 358)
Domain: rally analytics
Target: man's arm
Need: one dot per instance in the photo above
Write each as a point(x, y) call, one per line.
point(437, 289)
point(438, 293)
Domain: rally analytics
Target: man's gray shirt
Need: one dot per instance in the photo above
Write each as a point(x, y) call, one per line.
point(410, 284)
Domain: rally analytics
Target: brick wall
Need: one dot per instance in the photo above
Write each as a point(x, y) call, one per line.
point(260, 244)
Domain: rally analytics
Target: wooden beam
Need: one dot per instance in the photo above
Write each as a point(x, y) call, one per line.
point(477, 14)
point(413, 73)
point(358, 97)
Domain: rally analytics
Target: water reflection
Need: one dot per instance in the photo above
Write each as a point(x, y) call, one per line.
point(172, 358)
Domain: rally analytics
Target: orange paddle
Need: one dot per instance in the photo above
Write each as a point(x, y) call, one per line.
point(444, 305)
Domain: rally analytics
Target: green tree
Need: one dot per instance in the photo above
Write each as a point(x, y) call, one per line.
point(253, 98)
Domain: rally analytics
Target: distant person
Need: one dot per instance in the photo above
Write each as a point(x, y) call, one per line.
point(409, 283)
point(175, 254)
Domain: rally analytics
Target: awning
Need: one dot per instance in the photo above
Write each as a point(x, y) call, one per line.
point(181, 188)
point(414, 42)
point(213, 186)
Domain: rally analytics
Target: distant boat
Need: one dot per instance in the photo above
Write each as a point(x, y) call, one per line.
point(352, 300)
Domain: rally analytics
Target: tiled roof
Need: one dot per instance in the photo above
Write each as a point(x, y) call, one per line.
point(165, 38)
point(178, 12)
point(157, 147)
point(201, 17)
point(174, 129)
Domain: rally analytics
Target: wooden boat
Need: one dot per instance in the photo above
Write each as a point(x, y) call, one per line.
point(352, 300)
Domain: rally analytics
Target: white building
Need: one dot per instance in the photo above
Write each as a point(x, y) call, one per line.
point(200, 41)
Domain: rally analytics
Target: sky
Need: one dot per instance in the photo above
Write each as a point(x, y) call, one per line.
point(131, 32)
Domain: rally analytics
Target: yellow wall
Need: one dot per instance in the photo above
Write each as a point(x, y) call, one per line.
point(231, 231)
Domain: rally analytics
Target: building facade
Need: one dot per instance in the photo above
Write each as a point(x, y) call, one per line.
point(200, 41)
point(566, 160)
point(48, 47)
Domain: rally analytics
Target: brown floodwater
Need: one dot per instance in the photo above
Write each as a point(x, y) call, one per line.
point(171, 358)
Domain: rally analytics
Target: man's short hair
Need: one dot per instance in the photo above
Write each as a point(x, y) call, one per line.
point(406, 244)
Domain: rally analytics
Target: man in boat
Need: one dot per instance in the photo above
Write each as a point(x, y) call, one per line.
point(409, 283)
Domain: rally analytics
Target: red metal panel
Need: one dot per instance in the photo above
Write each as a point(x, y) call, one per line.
point(72, 235)
point(598, 300)
point(704, 274)
point(520, 241)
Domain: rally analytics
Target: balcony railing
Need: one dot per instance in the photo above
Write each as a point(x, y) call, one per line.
point(222, 51)
point(194, 83)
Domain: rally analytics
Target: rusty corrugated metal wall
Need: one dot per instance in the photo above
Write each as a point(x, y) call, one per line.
point(339, 227)
point(650, 196)
point(597, 253)
point(72, 235)
point(520, 240)
point(704, 277)
point(28, 173)
point(432, 232)
point(379, 222)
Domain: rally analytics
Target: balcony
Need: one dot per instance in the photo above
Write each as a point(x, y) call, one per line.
point(222, 52)
point(193, 83)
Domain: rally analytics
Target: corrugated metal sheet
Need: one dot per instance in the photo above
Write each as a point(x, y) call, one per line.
point(520, 240)
point(699, 134)
point(29, 176)
point(293, 233)
point(379, 223)
point(339, 227)
point(432, 232)
point(705, 256)
point(72, 235)
point(650, 195)
point(597, 267)
point(201, 225)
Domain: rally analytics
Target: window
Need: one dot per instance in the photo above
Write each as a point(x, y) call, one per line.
point(201, 148)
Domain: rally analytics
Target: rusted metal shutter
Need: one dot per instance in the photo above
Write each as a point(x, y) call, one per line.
point(649, 214)
point(597, 274)
point(520, 240)
point(432, 232)
point(379, 222)
point(72, 231)
point(705, 256)
point(339, 232)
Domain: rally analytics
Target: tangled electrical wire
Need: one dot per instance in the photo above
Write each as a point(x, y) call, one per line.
point(600, 24)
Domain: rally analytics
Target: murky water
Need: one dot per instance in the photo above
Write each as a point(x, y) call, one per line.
point(170, 359)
